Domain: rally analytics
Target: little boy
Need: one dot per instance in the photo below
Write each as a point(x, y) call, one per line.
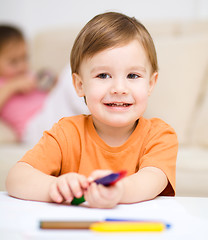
point(114, 67)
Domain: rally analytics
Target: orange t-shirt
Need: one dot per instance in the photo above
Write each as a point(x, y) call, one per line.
point(73, 145)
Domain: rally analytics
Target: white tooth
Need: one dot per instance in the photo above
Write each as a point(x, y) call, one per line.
point(118, 104)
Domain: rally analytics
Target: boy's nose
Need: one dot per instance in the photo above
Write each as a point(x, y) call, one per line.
point(119, 87)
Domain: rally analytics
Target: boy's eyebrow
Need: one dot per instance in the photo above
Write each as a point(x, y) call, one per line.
point(106, 68)
point(138, 67)
point(99, 68)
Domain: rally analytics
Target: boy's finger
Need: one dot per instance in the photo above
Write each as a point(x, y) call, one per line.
point(89, 195)
point(94, 193)
point(55, 194)
point(104, 191)
point(83, 182)
point(107, 193)
point(94, 198)
point(75, 187)
point(64, 189)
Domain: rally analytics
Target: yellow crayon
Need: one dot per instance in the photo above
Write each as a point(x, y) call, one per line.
point(127, 227)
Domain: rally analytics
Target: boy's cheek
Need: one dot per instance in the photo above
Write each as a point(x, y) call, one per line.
point(93, 95)
point(140, 93)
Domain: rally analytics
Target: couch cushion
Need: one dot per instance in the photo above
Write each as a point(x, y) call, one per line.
point(6, 133)
point(199, 135)
point(51, 49)
point(177, 28)
point(182, 62)
point(191, 172)
point(9, 155)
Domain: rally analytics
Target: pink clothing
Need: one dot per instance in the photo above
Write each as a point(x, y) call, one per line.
point(20, 108)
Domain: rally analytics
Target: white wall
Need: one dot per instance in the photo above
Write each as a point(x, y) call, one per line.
point(35, 15)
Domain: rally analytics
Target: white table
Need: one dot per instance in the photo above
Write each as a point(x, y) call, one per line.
point(19, 219)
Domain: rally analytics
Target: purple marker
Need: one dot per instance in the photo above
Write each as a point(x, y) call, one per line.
point(108, 180)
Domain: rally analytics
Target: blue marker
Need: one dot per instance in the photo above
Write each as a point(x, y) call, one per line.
point(167, 225)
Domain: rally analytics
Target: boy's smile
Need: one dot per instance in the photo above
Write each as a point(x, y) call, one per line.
point(118, 105)
point(116, 83)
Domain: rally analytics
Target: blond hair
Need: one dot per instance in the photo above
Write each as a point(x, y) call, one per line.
point(109, 30)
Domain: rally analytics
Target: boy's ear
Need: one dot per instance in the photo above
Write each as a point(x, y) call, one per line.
point(152, 82)
point(78, 84)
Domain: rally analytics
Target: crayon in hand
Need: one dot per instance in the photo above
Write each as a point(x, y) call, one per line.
point(108, 180)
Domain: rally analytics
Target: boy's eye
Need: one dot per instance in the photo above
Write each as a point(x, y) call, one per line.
point(103, 75)
point(133, 76)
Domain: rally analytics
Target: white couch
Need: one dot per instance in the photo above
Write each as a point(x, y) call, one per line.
point(180, 97)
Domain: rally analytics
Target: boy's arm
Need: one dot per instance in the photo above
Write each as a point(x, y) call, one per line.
point(146, 184)
point(26, 182)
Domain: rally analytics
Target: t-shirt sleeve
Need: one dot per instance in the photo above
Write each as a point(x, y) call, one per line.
point(47, 154)
point(160, 151)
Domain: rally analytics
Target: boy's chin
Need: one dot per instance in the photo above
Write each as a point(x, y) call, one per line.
point(121, 123)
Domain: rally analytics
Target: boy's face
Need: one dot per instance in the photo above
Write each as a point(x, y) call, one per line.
point(13, 59)
point(116, 83)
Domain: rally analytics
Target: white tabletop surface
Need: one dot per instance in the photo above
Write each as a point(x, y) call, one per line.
point(19, 219)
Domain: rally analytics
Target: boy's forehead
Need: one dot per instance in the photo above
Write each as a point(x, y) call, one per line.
point(116, 46)
point(131, 56)
point(129, 50)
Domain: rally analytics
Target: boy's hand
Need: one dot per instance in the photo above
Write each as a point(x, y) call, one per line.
point(68, 186)
point(99, 196)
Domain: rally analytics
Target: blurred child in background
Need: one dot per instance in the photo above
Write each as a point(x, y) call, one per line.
point(23, 95)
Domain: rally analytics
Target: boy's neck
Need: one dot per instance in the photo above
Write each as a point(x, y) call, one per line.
point(114, 136)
